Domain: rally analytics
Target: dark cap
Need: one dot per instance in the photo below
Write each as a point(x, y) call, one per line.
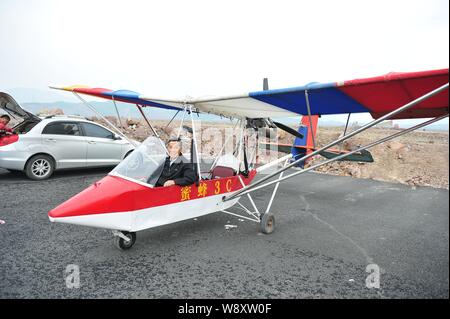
point(174, 139)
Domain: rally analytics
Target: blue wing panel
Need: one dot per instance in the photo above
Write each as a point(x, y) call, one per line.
point(133, 97)
point(323, 98)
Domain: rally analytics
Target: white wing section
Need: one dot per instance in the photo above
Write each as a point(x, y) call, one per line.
point(241, 108)
point(236, 106)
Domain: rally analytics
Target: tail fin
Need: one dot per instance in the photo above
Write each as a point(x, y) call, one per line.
point(309, 136)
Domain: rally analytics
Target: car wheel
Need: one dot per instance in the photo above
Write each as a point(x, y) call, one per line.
point(39, 167)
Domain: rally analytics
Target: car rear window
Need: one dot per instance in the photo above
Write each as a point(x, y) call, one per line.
point(24, 127)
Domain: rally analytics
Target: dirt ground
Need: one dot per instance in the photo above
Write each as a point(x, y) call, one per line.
point(419, 158)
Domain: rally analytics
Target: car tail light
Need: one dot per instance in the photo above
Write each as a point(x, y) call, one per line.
point(8, 139)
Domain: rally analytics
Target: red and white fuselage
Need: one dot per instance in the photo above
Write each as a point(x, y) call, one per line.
point(120, 204)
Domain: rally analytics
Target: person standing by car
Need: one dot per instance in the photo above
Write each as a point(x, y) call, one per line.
point(4, 129)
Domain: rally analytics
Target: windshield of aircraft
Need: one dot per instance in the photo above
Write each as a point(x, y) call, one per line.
point(145, 163)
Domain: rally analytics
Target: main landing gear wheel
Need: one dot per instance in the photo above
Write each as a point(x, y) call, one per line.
point(267, 223)
point(123, 244)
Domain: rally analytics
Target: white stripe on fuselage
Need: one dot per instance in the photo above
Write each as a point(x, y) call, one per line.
point(153, 216)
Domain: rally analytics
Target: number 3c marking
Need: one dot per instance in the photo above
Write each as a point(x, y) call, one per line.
point(229, 185)
point(217, 190)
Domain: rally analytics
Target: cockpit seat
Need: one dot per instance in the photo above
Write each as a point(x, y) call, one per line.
point(222, 171)
point(226, 166)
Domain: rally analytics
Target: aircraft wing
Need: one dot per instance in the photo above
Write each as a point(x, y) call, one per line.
point(126, 96)
point(377, 96)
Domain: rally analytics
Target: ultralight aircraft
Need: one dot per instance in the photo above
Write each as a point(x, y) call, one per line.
point(127, 201)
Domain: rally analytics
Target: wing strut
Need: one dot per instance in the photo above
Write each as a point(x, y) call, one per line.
point(345, 129)
point(151, 127)
point(197, 159)
point(104, 119)
point(117, 112)
point(388, 138)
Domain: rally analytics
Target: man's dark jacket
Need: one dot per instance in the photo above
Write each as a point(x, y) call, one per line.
point(181, 172)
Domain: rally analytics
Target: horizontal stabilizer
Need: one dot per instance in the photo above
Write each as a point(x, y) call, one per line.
point(362, 156)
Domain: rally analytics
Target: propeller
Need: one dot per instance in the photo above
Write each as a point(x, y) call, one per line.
point(288, 129)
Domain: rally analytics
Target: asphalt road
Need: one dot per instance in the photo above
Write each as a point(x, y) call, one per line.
point(328, 230)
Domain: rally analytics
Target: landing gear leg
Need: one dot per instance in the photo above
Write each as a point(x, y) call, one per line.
point(124, 240)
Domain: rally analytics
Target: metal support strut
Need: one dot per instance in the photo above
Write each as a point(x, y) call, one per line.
point(197, 158)
point(343, 138)
point(275, 190)
point(152, 128)
point(117, 112)
point(388, 138)
point(105, 119)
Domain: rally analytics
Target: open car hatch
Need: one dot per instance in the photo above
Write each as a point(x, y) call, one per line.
point(10, 106)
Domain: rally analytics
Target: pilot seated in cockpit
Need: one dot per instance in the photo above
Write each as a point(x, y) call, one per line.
point(177, 169)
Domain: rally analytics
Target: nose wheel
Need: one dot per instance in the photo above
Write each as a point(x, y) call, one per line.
point(267, 223)
point(124, 240)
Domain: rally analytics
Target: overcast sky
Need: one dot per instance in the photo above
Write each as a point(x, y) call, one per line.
point(197, 48)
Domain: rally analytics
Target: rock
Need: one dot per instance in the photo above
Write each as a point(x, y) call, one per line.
point(133, 123)
point(353, 171)
point(141, 133)
point(50, 111)
point(349, 145)
point(396, 145)
point(281, 134)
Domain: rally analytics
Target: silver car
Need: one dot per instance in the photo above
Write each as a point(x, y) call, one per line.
point(43, 145)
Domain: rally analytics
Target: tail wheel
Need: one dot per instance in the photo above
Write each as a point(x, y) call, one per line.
point(267, 223)
point(40, 167)
point(123, 244)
